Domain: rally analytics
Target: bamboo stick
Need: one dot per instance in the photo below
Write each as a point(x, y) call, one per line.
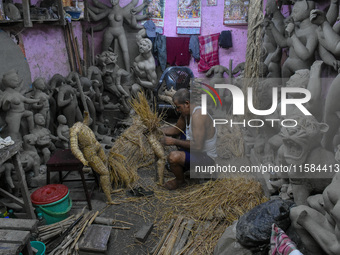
point(160, 242)
point(122, 228)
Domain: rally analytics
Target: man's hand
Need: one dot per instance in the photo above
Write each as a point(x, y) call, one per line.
point(167, 140)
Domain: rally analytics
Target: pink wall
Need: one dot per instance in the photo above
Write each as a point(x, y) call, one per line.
point(46, 52)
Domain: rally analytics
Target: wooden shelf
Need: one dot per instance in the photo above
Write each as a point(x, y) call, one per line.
point(28, 22)
point(6, 153)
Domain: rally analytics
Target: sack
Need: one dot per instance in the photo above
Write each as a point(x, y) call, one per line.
point(253, 229)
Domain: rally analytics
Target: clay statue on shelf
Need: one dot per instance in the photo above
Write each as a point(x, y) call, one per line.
point(301, 39)
point(115, 15)
point(13, 103)
point(88, 150)
point(318, 224)
point(44, 143)
point(144, 68)
point(63, 131)
point(39, 86)
point(272, 50)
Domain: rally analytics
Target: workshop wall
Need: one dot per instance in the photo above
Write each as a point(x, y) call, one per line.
point(46, 51)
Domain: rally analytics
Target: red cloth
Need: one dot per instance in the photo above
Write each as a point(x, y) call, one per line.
point(208, 52)
point(177, 49)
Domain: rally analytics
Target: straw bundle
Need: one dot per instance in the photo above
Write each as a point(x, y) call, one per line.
point(254, 43)
point(139, 143)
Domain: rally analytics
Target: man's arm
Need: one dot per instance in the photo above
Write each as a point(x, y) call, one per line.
point(198, 127)
point(172, 131)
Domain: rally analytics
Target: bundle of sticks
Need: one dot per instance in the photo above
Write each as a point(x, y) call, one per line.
point(181, 239)
point(68, 244)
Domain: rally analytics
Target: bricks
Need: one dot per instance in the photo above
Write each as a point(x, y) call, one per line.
point(144, 232)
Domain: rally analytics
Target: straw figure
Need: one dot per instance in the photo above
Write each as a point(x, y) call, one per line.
point(88, 150)
point(140, 141)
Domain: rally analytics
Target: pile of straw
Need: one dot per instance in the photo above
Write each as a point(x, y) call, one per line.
point(223, 199)
point(230, 141)
point(213, 206)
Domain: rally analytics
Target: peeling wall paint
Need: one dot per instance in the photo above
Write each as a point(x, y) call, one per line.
point(46, 50)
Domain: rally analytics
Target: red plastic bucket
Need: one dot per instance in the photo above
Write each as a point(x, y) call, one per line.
point(52, 201)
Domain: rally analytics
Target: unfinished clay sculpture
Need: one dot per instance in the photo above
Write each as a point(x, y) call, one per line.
point(144, 68)
point(43, 107)
point(112, 76)
point(44, 143)
point(317, 223)
point(301, 38)
point(88, 150)
point(63, 131)
point(115, 30)
point(13, 103)
point(272, 50)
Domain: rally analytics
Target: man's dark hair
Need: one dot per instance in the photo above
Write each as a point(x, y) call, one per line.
point(181, 96)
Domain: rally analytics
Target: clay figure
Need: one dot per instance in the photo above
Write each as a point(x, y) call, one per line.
point(88, 150)
point(302, 147)
point(39, 86)
point(144, 68)
point(13, 103)
point(112, 77)
point(29, 149)
point(301, 39)
point(272, 50)
point(63, 131)
point(115, 16)
point(44, 143)
point(68, 103)
point(318, 223)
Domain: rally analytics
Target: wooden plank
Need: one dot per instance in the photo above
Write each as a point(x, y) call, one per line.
point(9, 248)
point(144, 232)
point(15, 199)
point(184, 236)
point(96, 239)
point(26, 13)
point(23, 187)
point(18, 224)
point(14, 236)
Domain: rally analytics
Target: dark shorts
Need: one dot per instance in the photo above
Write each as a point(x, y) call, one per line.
point(193, 159)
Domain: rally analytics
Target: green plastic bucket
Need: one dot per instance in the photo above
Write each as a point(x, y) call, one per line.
point(39, 246)
point(58, 209)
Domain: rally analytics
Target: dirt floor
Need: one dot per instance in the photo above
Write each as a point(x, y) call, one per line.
point(134, 212)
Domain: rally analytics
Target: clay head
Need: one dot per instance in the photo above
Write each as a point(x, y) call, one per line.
point(11, 79)
point(62, 119)
point(272, 6)
point(302, 9)
point(30, 139)
point(39, 83)
point(39, 119)
point(145, 45)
